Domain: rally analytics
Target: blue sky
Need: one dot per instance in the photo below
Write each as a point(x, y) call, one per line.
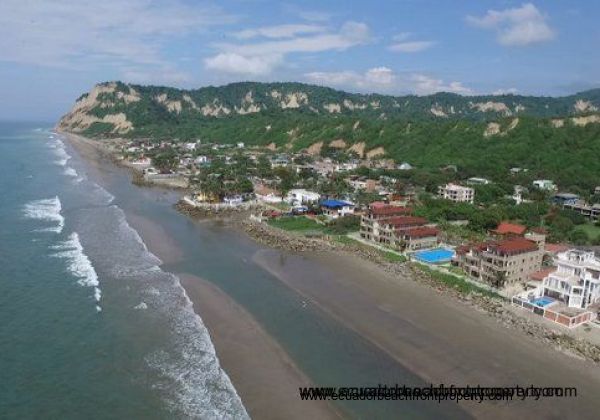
point(52, 51)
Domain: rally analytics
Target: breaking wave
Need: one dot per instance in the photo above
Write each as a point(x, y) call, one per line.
point(192, 381)
point(79, 265)
point(60, 152)
point(47, 210)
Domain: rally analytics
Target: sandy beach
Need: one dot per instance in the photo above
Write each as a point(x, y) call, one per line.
point(439, 339)
point(264, 375)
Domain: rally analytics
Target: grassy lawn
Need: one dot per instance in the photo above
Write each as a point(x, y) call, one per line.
point(296, 224)
point(393, 257)
point(454, 282)
point(592, 231)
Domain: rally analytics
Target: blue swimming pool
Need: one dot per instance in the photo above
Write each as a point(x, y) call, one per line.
point(435, 256)
point(543, 301)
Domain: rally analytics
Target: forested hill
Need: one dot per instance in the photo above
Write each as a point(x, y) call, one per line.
point(557, 138)
point(116, 108)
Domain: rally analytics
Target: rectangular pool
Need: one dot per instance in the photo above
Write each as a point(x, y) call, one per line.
point(543, 301)
point(435, 256)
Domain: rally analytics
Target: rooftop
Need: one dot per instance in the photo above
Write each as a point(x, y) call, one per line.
point(506, 228)
point(333, 204)
point(421, 232)
point(385, 210)
point(512, 246)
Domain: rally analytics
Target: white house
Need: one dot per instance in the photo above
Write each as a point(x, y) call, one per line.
point(405, 166)
point(456, 193)
point(336, 208)
point(544, 184)
point(576, 281)
point(478, 181)
point(301, 196)
point(190, 146)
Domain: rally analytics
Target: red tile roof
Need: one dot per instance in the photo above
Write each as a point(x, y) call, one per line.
point(513, 246)
point(400, 221)
point(421, 232)
point(387, 210)
point(556, 248)
point(542, 274)
point(506, 228)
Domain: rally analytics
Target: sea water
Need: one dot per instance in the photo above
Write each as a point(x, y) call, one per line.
point(90, 325)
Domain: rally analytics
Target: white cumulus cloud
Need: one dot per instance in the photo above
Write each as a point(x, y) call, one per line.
point(411, 46)
point(279, 31)
point(517, 26)
point(378, 78)
point(234, 63)
point(385, 80)
point(263, 56)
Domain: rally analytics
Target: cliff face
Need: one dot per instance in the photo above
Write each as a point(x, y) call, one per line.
point(115, 108)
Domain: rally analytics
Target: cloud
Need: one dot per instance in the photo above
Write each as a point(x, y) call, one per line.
point(518, 26)
point(279, 31)
point(239, 64)
point(385, 80)
point(411, 46)
point(425, 85)
point(265, 55)
point(88, 34)
point(164, 75)
point(509, 91)
point(374, 78)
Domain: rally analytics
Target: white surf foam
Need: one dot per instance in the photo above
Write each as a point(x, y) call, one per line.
point(60, 152)
point(70, 172)
point(192, 382)
point(47, 210)
point(79, 264)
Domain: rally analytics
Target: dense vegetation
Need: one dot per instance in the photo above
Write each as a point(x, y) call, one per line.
point(404, 126)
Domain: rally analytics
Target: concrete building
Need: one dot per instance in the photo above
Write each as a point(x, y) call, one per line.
point(379, 211)
point(394, 227)
point(456, 193)
point(502, 262)
point(544, 184)
point(576, 281)
point(301, 196)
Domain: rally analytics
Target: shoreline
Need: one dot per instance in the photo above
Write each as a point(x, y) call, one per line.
point(389, 281)
point(263, 374)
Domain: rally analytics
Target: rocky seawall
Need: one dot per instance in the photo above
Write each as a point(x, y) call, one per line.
point(495, 307)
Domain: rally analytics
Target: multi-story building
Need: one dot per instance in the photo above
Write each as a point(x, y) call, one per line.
point(576, 281)
point(456, 193)
point(394, 227)
point(502, 262)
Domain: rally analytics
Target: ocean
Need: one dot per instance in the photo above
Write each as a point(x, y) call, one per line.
point(91, 327)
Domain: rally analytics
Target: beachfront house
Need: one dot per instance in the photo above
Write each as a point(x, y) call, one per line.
point(379, 211)
point(502, 262)
point(576, 281)
point(336, 208)
point(570, 294)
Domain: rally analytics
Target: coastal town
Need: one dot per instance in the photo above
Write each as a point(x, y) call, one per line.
point(521, 238)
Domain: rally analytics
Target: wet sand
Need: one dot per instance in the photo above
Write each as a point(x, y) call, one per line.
point(262, 372)
point(441, 340)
